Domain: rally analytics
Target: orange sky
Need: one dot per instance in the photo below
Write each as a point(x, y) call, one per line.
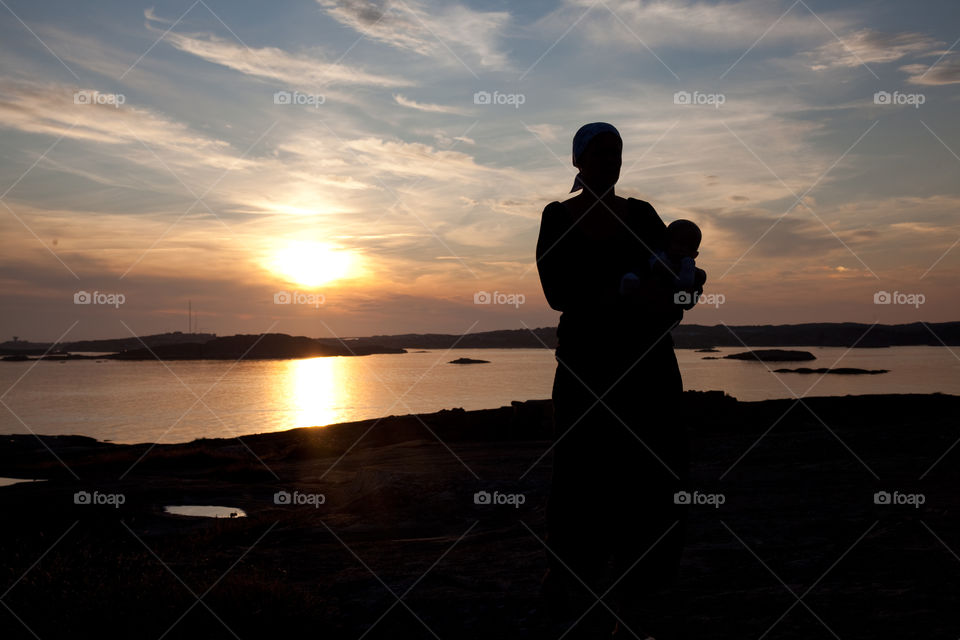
point(359, 166)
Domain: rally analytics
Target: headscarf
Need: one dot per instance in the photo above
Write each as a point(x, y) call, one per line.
point(580, 141)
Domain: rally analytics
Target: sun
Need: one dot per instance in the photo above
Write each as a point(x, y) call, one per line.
point(312, 264)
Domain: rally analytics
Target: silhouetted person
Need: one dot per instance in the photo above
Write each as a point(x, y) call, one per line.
point(617, 462)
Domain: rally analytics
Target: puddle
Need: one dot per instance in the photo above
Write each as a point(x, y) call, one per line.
point(6, 482)
point(205, 511)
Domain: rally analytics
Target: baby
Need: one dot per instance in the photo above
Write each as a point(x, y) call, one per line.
point(675, 265)
point(677, 262)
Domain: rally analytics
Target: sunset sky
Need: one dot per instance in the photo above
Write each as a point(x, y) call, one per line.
point(150, 151)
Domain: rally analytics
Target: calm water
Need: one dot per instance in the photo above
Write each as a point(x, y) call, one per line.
point(149, 402)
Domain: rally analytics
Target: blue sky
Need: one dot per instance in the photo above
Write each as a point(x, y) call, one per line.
point(176, 175)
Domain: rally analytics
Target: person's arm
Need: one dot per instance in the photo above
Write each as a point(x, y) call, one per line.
point(569, 281)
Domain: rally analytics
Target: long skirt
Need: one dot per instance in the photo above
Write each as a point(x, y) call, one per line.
point(618, 463)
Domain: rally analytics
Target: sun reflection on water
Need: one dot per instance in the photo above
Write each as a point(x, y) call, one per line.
point(317, 393)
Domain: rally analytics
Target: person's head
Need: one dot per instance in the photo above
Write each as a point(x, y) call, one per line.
point(597, 151)
point(683, 239)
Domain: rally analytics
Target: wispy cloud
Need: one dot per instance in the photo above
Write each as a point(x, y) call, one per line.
point(946, 71)
point(682, 24)
point(440, 33)
point(403, 101)
point(396, 157)
point(549, 132)
point(52, 109)
point(869, 46)
point(283, 67)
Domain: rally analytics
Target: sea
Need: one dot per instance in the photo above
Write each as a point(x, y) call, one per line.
point(169, 402)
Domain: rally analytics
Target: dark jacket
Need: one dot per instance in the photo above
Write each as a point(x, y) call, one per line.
point(581, 278)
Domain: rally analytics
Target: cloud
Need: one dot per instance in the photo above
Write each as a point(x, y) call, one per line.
point(548, 132)
point(947, 71)
point(310, 173)
point(51, 109)
point(867, 46)
point(403, 101)
point(878, 231)
point(440, 33)
point(489, 233)
point(418, 159)
point(443, 140)
point(151, 15)
point(102, 57)
point(288, 69)
point(681, 24)
point(743, 244)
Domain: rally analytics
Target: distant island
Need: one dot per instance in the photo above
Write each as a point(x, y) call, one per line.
point(686, 336)
point(468, 361)
point(841, 370)
point(24, 347)
point(772, 355)
point(253, 347)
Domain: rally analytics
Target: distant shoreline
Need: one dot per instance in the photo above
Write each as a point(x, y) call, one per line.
point(146, 355)
point(686, 336)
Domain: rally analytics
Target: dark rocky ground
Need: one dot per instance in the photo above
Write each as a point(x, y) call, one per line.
point(799, 549)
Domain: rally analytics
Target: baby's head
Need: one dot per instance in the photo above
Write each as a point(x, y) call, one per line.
point(683, 239)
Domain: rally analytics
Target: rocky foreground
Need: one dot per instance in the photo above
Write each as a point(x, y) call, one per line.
point(831, 518)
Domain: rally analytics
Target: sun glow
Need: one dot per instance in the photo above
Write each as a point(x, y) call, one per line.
point(312, 264)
